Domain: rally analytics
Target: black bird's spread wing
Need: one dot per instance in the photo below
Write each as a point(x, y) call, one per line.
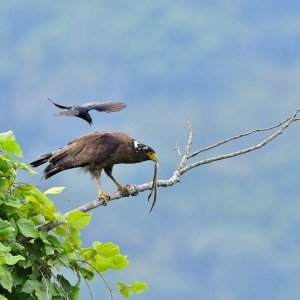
point(104, 106)
point(59, 105)
point(68, 113)
point(82, 110)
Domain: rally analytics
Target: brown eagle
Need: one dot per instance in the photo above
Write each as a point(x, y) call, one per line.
point(99, 151)
point(82, 111)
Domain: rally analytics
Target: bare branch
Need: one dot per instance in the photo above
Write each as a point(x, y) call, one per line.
point(187, 148)
point(134, 190)
point(178, 150)
point(284, 125)
point(240, 136)
point(182, 168)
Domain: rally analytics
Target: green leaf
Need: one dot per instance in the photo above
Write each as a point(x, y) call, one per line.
point(29, 286)
point(4, 224)
point(12, 260)
point(75, 295)
point(9, 144)
point(6, 230)
point(27, 228)
point(18, 278)
point(87, 253)
point(44, 237)
point(8, 158)
point(49, 250)
point(6, 280)
point(16, 247)
point(22, 190)
point(72, 291)
point(60, 217)
point(7, 233)
point(79, 219)
point(54, 241)
point(89, 275)
point(100, 263)
point(3, 298)
point(4, 248)
point(26, 168)
point(107, 249)
point(36, 287)
point(65, 260)
point(12, 203)
point(2, 196)
point(124, 289)
point(4, 166)
point(42, 203)
point(60, 231)
point(74, 238)
point(119, 262)
point(52, 289)
point(138, 287)
point(29, 262)
point(54, 190)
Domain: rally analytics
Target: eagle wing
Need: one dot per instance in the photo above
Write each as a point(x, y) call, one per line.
point(104, 106)
point(91, 149)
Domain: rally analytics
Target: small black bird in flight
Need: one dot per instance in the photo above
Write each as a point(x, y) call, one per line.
point(82, 111)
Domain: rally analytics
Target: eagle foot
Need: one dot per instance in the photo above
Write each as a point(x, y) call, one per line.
point(124, 190)
point(104, 197)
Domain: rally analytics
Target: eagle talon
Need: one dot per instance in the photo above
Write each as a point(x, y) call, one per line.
point(124, 190)
point(105, 198)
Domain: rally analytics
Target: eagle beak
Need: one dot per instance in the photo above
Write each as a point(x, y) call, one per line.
point(153, 156)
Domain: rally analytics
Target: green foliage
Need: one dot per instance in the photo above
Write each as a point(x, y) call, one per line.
point(31, 259)
point(135, 288)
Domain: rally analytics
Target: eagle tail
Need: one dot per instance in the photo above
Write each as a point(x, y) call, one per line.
point(51, 170)
point(42, 159)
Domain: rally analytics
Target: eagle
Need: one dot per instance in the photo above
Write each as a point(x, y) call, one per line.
point(82, 111)
point(96, 152)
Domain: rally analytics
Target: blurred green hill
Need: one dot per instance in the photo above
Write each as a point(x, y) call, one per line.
point(229, 230)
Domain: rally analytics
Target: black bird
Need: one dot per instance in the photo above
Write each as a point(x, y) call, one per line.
point(82, 111)
point(99, 151)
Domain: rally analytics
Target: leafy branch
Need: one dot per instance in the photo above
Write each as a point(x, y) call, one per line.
point(31, 259)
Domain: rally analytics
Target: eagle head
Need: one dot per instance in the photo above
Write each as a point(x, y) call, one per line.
point(145, 152)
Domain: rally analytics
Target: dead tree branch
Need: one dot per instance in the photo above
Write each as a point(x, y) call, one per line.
point(184, 166)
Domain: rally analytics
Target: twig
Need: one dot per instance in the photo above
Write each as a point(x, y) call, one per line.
point(89, 289)
point(102, 277)
point(238, 137)
point(187, 150)
point(178, 149)
point(284, 125)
